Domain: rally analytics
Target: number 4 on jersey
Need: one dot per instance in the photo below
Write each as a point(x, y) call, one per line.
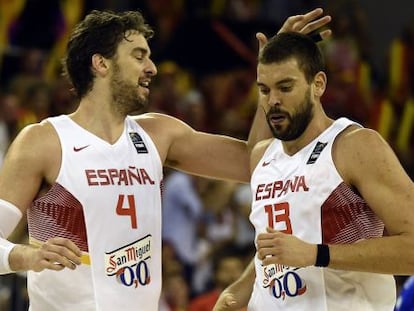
point(127, 210)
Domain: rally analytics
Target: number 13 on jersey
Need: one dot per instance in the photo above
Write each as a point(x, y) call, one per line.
point(277, 213)
point(127, 208)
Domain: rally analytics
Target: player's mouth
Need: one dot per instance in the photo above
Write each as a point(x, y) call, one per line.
point(144, 84)
point(277, 118)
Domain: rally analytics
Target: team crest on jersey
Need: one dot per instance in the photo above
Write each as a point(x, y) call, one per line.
point(138, 142)
point(283, 281)
point(129, 263)
point(316, 152)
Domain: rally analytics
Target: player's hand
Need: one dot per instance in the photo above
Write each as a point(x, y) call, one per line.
point(55, 254)
point(275, 247)
point(226, 302)
point(305, 23)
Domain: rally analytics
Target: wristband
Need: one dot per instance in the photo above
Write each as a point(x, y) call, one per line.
point(322, 256)
point(10, 216)
point(5, 249)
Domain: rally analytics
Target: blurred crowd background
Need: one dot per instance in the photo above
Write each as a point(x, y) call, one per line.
point(206, 57)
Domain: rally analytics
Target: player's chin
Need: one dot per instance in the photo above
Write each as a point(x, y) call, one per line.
point(143, 91)
point(142, 103)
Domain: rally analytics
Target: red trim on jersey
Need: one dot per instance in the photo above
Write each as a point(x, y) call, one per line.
point(346, 218)
point(58, 214)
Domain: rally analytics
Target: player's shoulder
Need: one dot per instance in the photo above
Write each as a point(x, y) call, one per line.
point(258, 151)
point(357, 150)
point(37, 133)
point(158, 120)
point(261, 146)
point(155, 117)
point(38, 137)
point(157, 124)
point(356, 138)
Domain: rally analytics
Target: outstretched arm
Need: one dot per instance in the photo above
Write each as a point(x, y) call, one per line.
point(218, 156)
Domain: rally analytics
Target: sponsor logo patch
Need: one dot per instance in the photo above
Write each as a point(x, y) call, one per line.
point(129, 263)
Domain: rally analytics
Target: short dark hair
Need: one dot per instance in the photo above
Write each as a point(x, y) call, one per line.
point(286, 45)
point(99, 32)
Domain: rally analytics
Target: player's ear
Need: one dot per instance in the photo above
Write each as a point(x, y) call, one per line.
point(100, 64)
point(319, 84)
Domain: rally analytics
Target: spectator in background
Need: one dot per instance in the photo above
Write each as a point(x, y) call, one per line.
point(182, 211)
point(348, 64)
point(401, 96)
point(228, 265)
point(11, 112)
point(35, 104)
point(175, 292)
point(62, 100)
point(242, 200)
point(170, 87)
point(192, 109)
point(216, 230)
point(30, 72)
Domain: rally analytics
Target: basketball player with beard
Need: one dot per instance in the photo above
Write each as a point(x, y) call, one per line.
point(324, 193)
point(90, 182)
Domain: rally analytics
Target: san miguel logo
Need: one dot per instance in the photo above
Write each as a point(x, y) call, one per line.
point(283, 281)
point(130, 263)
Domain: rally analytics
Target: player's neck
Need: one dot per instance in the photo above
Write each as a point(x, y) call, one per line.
point(103, 122)
point(316, 127)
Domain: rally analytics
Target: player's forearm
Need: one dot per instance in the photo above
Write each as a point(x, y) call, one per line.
point(388, 255)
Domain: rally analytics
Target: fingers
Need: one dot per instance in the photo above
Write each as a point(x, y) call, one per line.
point(229, 301)
point(325, 34)
point(225, 303)
point(269, 246)
point(309, 27)
point(262, 39)
point(57, 254)
point(307, 23)
point(299, 22)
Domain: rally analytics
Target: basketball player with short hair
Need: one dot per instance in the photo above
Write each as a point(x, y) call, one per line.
point(324, 191)
point(90, 182)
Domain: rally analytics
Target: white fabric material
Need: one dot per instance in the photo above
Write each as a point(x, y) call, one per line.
point(10, 216)
point(5, 249)
point(304, 195)
point(117, 186)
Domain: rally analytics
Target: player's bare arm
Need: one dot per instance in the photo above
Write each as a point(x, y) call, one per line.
point(237, 295)
point(368, 163)
point(186, 149)
point(32, 160)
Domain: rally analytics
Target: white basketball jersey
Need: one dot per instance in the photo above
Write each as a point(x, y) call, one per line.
point(304, 195)
point(106, 199)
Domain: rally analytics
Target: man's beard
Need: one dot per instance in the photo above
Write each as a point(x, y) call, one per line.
point(297, 123)
point(125, 97)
